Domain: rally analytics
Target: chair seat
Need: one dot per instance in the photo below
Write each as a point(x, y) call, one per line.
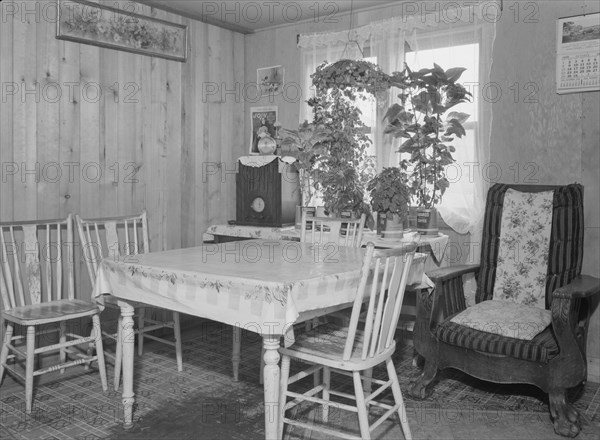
point(325, 345)
point(50, 312)
point(542, 348)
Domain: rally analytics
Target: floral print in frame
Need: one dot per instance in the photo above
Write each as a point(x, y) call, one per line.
point(122, 29)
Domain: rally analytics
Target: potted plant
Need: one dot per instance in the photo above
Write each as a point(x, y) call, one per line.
point(308, 145)
point(423, 120)
point(390, 198)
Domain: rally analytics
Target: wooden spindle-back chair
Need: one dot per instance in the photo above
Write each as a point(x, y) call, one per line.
point(115, 238)
point(336, 230)
point(37, 286)
point(356, 348)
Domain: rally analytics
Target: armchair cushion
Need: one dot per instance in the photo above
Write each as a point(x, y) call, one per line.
point(541, 348)
point(505, 318)
point(524, 247)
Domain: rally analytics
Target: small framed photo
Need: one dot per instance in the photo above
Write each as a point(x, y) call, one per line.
point(262, 120)
point(270, 80)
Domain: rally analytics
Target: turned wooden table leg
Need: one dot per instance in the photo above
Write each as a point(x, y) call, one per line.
point(128, 336)
point(271, 385)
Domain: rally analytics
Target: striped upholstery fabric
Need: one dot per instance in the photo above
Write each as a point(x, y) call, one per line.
point(542, 348)
point(564, 264)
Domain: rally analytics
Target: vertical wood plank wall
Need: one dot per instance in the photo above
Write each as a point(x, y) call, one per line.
point(104, 132)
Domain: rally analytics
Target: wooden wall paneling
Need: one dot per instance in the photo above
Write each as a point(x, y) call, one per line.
point(25, 118)
point(48, 112)
point(188, 143)
point(89, 136)
point(201, 54)
point(155, 191)
point(173, 146)
point(109, 130)
point(69, 129)
point(239, 140)
point(6, 119)
point(120, 171)
point(215, 140)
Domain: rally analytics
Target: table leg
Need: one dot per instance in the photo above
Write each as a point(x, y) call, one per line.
point(128, 335)
point(271, 385)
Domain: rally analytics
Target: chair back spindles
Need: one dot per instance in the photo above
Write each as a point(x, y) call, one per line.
point(337, 230)
point(33, 261)
point(387, 272)
point(112, 238)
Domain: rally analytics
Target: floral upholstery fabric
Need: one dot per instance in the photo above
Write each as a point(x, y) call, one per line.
point(505, 318)
point(524, 247)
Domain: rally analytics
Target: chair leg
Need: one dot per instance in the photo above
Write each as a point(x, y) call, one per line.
point(421, 388)
point(398, 399)
point(63, 339)
point(368, 375)
point(141, 314)
point(261, 379)
point(8, 333)
point(361, 406)
point(326, 385)
point(29, 362)
point(564, 416)
point(97, 333)
point(118, 354)
point(235, 354)
point(177, 331)
point(283, 386)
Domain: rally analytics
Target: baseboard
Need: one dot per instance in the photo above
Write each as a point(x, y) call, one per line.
point(593, 374)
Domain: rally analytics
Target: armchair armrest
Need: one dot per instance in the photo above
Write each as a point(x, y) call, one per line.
point(581, 287)
point(570, 318)
point(447, 297)
point(447, 273)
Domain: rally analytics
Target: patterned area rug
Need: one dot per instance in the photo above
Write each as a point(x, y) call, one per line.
point(204, 402)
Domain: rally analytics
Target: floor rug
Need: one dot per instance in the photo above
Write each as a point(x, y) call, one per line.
point(204, 402)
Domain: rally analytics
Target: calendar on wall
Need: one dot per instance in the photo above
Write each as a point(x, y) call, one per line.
point(578, 53)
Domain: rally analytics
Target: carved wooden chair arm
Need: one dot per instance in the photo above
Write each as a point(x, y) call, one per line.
point(448, 295)
point(570, 316)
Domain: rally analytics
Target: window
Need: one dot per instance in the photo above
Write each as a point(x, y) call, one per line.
point(461, 55)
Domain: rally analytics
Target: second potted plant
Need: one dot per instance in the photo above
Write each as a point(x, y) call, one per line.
point(390, 198)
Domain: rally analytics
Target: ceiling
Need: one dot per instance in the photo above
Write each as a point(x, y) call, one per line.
point(248, 16)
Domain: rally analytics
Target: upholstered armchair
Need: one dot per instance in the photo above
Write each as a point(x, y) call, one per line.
point(532, 305)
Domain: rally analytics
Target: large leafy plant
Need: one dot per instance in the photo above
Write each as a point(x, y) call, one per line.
point(309, 143)
point(343, 172)
point(423, 121)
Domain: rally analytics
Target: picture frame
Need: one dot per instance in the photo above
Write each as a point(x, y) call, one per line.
point(578, 53)
point(265, 116)
point(84, 22)
point(270, 80)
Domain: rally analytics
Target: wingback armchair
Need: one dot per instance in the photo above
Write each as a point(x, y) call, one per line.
point(509, 335)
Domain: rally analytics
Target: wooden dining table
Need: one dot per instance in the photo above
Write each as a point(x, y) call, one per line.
point(263, 286)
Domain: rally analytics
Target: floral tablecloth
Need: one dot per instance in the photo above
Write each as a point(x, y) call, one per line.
point(258, 285)
point(436, 243)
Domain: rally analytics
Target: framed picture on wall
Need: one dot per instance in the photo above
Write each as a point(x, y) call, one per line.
point(262, 120)
point(270, 80)
point(578, 53)
point(85, 22)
